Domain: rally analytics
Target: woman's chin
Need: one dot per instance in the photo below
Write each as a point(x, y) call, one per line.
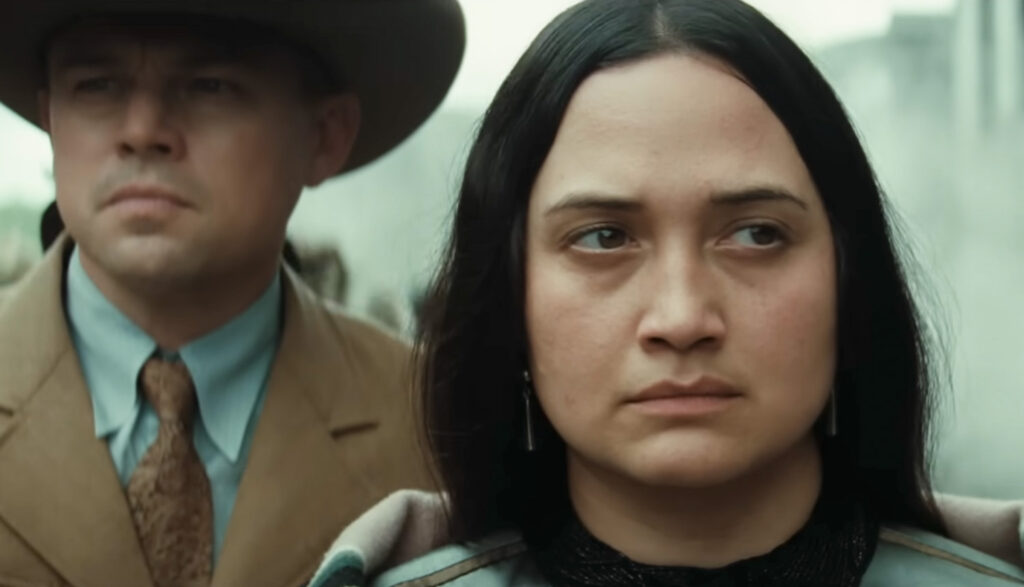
point(717, 463)
point(694, 465)
point(689, 475)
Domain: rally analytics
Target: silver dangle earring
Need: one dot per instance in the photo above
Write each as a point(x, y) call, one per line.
point(529, 440)
point(832, 415)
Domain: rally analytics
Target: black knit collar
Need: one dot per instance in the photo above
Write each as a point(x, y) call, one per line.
point(833, 549)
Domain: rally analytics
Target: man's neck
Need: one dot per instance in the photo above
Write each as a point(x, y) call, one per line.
point(175, 313)
point(707, 527)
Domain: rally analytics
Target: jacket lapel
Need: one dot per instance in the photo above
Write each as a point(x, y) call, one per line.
point(60, 491)
point(289, 505)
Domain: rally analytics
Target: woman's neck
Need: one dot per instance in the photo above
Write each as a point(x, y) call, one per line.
point(699, 527)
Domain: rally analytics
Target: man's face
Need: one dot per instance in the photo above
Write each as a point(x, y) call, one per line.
point(176, 160)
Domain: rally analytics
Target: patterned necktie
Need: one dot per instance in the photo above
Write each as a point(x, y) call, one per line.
point(169, 493)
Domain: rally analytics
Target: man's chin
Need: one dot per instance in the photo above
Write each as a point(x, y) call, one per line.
point(150, 260)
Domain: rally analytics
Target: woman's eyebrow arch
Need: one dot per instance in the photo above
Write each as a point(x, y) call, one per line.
point(756, 194)
point(592, 200)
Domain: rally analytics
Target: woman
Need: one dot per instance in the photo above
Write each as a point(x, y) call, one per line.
point(672, 342)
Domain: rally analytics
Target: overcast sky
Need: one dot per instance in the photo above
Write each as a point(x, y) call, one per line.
point(498, 32)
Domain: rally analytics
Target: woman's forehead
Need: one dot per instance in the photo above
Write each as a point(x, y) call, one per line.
point(673, 119)
point(665, 92)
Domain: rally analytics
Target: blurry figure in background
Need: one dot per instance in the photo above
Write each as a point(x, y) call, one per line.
point(418, 303)
point(386, 310)
point(176, 407)
point(321, 267)
point(323, 270)
point(672, 341)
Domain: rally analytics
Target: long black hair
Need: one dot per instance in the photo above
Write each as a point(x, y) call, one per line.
point(473, 344)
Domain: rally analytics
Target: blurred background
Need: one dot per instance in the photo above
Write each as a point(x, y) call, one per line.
point(935, 87)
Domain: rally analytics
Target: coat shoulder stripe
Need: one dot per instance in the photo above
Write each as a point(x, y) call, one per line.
point(464, 567)
point(899, 538)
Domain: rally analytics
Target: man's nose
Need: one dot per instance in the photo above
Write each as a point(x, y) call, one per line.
point(148, 129)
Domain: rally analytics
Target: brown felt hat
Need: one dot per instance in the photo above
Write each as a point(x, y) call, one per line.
point(398, 56)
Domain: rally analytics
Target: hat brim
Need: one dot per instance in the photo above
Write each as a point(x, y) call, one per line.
point(398, 56)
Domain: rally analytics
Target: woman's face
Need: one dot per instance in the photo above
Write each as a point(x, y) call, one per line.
point(680, 279)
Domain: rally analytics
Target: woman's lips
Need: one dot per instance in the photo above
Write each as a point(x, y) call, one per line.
point(702, 396)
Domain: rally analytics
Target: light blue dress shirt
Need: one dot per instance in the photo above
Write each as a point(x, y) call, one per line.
point(229, 368)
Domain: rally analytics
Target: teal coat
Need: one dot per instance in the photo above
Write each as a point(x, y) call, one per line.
point(904, 558)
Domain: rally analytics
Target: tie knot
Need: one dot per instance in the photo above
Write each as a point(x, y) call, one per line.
point(168, 387)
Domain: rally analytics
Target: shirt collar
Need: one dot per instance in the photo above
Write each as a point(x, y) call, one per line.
point(229, 366)
point(111, 347)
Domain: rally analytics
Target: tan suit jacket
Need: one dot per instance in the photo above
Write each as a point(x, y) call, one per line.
point(335, 436)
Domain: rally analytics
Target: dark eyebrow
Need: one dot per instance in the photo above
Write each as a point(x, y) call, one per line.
point(758, 194)
point(594, 201)
point(618, 203)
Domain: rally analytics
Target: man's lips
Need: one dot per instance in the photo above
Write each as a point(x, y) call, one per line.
point(141, 193)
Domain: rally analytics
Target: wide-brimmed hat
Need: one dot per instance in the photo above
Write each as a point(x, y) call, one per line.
point(398, 56)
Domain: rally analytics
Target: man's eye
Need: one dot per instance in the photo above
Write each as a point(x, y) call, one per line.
point(604, 238)
point(209, 85)
point(758, 235)
point(95, 85)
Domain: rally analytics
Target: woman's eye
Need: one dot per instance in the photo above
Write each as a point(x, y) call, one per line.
point(602, 239)
point(759, 235)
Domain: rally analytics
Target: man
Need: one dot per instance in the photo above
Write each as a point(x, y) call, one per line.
point(176, 408)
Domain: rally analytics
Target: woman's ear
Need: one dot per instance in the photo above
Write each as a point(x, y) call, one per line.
point(337, 125)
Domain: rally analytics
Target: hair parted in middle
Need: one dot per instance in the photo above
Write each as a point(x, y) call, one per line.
point(473, 346)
